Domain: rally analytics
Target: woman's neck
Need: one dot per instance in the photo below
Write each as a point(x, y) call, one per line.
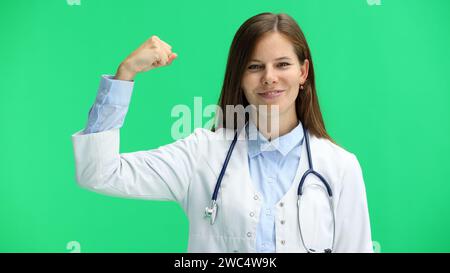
point(273, 127)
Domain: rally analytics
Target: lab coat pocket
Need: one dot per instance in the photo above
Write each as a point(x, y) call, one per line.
point(316, 217)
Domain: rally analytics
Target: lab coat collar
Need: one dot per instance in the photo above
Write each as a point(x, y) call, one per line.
point(239, 164)
point(257, 143)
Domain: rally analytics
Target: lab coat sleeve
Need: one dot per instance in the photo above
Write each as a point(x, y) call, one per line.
point(352, 216)
point(158, 174)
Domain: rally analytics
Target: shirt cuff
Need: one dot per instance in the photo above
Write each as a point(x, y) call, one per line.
point(115, 92)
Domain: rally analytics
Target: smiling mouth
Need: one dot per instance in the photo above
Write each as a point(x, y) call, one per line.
point(271, 94)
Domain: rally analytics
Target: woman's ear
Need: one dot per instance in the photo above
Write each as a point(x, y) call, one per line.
point(304, 68)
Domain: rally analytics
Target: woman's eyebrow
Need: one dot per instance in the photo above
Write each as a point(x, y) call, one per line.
point(277, 59)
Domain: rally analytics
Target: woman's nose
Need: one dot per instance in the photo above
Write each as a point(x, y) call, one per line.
point(269, 77)
point(269, 81)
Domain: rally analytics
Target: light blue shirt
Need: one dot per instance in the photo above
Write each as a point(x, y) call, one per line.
point(273, 164)
point(110, 106)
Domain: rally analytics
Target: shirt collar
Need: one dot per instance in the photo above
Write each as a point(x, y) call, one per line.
point(257, 143)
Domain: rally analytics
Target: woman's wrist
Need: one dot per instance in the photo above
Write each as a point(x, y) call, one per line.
point(124, 73)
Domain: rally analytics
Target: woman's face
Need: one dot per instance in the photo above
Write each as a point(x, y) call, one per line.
point(274, 74)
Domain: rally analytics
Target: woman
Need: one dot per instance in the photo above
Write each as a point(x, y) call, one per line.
point(255, 205)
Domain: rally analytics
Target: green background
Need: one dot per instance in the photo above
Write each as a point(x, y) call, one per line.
point(382, 78)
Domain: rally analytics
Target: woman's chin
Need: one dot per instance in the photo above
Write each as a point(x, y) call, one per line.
point(269, 109)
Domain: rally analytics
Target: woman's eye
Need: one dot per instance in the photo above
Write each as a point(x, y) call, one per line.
point(253, 66)
point(284, 64)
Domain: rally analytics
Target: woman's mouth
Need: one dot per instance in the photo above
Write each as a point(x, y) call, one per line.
point(271, 94)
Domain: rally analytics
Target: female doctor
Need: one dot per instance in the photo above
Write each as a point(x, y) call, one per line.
point(276, 182)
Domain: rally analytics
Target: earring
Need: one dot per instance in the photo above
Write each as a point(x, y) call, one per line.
point(301, 86)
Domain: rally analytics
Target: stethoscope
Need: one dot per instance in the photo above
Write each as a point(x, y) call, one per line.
point(211, 211)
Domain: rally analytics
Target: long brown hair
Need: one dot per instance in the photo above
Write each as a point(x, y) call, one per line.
point(245, 39)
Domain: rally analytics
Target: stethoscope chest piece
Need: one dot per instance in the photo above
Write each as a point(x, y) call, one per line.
point(211, 212)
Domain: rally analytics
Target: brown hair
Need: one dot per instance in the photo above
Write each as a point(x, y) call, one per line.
point(245, 39)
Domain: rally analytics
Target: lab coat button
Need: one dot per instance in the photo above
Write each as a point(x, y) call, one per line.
point(255, 197)
point(283, 242)
point(282, 222)
point(252, 214)
point(249, 234)
point(281, 204)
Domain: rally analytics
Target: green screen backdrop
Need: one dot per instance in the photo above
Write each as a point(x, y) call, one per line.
point(383, 83)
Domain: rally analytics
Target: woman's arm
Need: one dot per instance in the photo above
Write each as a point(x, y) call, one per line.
point(158, 174)
point(162, 173)
point(110, 106)
point(114, 94)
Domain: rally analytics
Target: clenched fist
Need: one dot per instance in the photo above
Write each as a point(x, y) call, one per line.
point(151, 54)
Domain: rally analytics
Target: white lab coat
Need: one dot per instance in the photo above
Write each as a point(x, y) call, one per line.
point(186, 171)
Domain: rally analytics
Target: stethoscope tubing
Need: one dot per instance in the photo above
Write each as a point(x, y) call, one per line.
point(212, 210)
